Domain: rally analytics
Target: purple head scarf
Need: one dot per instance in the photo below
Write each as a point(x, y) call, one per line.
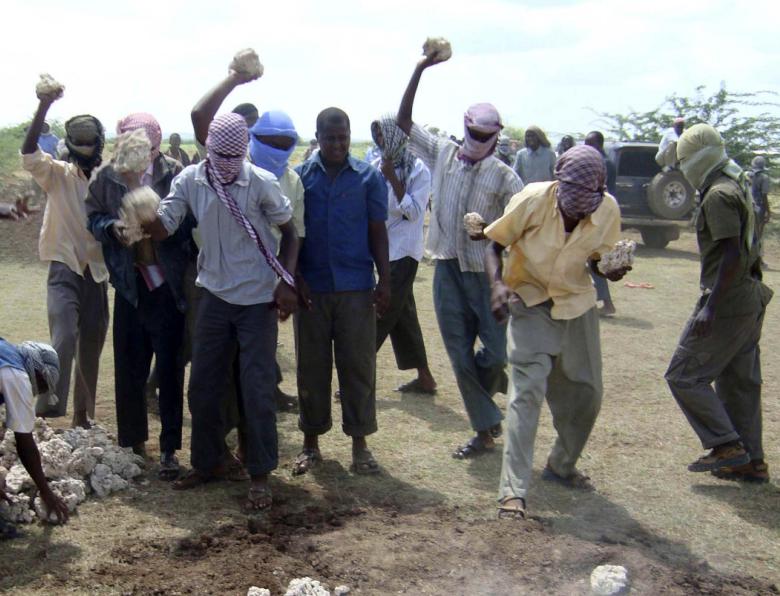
point(226, 147)
point(482, 117)
point(581, 175)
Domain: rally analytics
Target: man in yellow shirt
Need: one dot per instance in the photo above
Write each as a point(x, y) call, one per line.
point(76, 290)
point(553, 230)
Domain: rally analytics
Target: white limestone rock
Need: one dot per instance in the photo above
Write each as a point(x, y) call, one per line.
point(3, 474)
point(341, 591)
point(8, 455)
point(104, 481)
point(306, 586)
point(18, 510)
point(133, 152)
point(473, 223)
point(72, 492)
point(42, 431)
point(83, 460)
point(437, 45)
point(121, 461)
point(47, 85)
point(17, 480)
point(609, 580)
point(55, 457)
point(247, 63)
point(620, 257)
point(255, 591)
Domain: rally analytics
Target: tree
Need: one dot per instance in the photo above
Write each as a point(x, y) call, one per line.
point(514, 132)
point(745, 135)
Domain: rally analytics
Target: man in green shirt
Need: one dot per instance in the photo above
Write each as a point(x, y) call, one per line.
point(719, 344)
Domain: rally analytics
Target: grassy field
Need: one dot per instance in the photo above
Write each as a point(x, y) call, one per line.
point(637, 457)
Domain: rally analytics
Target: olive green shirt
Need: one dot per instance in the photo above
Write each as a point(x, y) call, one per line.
point(723, 215)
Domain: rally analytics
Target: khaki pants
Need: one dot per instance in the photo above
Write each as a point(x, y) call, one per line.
point(560, 360)
point(78, 321)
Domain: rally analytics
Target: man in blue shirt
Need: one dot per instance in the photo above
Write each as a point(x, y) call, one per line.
point(345, 208)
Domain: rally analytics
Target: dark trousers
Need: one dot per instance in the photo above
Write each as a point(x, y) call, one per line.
point(340, 324)
point(154, 327)
point(400, 321)
point(219, 325)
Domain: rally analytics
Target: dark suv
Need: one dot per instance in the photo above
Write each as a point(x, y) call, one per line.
point(657, 203)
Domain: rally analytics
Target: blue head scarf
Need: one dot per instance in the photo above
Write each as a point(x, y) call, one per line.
point(274, 122)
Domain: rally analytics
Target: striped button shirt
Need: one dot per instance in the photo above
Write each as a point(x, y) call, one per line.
point(459, 188)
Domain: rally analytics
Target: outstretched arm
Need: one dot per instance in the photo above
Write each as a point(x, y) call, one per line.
point(205, 110)
point(34, 131)
point(31, 460)
point(499, 292)
point(404, 117)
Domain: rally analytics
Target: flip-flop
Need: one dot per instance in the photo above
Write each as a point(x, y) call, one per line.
point(576, 480)
point(306, 460)
point(516, 513)
point(473, 448)
point(194, 478)
point(258, 499)
point(364, 464)
point(415, 386)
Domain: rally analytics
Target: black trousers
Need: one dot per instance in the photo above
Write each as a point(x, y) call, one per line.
point(154, 327)
point(400, 321)
point(219, 325)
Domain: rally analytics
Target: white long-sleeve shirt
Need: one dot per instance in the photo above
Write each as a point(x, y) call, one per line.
point(405, 220)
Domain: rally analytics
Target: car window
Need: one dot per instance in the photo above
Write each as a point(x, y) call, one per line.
point(638, 162)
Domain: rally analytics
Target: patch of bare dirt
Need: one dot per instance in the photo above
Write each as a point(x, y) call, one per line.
point(387, 551)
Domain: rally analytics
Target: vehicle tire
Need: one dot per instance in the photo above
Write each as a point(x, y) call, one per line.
point(670, 195)
point(654, 237)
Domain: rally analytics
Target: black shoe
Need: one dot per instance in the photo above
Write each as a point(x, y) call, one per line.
point(285, 402)
point(169, 467)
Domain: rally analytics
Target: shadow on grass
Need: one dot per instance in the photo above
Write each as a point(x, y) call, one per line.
point(426, 409)
point(756, 504)
point(630, 322)
point(643, 252)
point(593, 517)
point(26, 559)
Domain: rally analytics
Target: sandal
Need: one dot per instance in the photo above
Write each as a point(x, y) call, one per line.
point(415, 386)
point(194, 478)
point(234, 469)
point(576, 480)
point(476, 446)
point(363, 463)
point(496, 431)
point(258, 499)
point(306, 460)
point(169, 467)
point(515, 511)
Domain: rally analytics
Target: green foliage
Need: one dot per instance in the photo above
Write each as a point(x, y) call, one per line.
point(11, 139)
point(745, 135)
point(514, 132)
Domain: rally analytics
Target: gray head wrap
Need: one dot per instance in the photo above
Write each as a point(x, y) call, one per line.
point(43, 359)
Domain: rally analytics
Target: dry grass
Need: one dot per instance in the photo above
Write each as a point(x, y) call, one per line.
point(636, 457)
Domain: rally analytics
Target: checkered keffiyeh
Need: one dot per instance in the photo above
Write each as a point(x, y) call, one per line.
point(226, 153)
point(148, 123)
point(582, 176)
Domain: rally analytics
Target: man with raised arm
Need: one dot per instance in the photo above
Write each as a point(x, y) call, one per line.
point(552, 229)
point(76, 289)
point(465, 179)
point(246, 290)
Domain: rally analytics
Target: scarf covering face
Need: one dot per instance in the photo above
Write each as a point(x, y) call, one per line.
point(543, 140)
point(702, 155)
point(395, 143)
point(226, 152)
point(84, 140)
point(274, 122)
point(482, 117)
point(148, 123)
point(581, 176)
point(41, 358)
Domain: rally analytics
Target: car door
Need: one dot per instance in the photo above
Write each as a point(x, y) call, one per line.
point(636, 167)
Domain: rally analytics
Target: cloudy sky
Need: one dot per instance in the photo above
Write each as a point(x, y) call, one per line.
point(545, 63)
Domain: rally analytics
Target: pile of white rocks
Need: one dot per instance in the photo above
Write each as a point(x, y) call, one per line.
point(303, 586)
point(76, 462)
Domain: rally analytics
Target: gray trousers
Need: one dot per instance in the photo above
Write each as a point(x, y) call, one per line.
point(730, 358)
point(562, 361)
point(78, 321)
point(462, 303)
point(340, 324)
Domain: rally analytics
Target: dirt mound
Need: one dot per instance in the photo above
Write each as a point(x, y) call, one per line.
point(387, 551)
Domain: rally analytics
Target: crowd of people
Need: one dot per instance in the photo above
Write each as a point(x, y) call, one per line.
point(242, 241)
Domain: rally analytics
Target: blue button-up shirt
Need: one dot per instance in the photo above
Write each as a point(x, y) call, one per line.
point(336, 256)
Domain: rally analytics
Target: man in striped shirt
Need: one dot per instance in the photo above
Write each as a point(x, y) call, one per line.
point(465, 179)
